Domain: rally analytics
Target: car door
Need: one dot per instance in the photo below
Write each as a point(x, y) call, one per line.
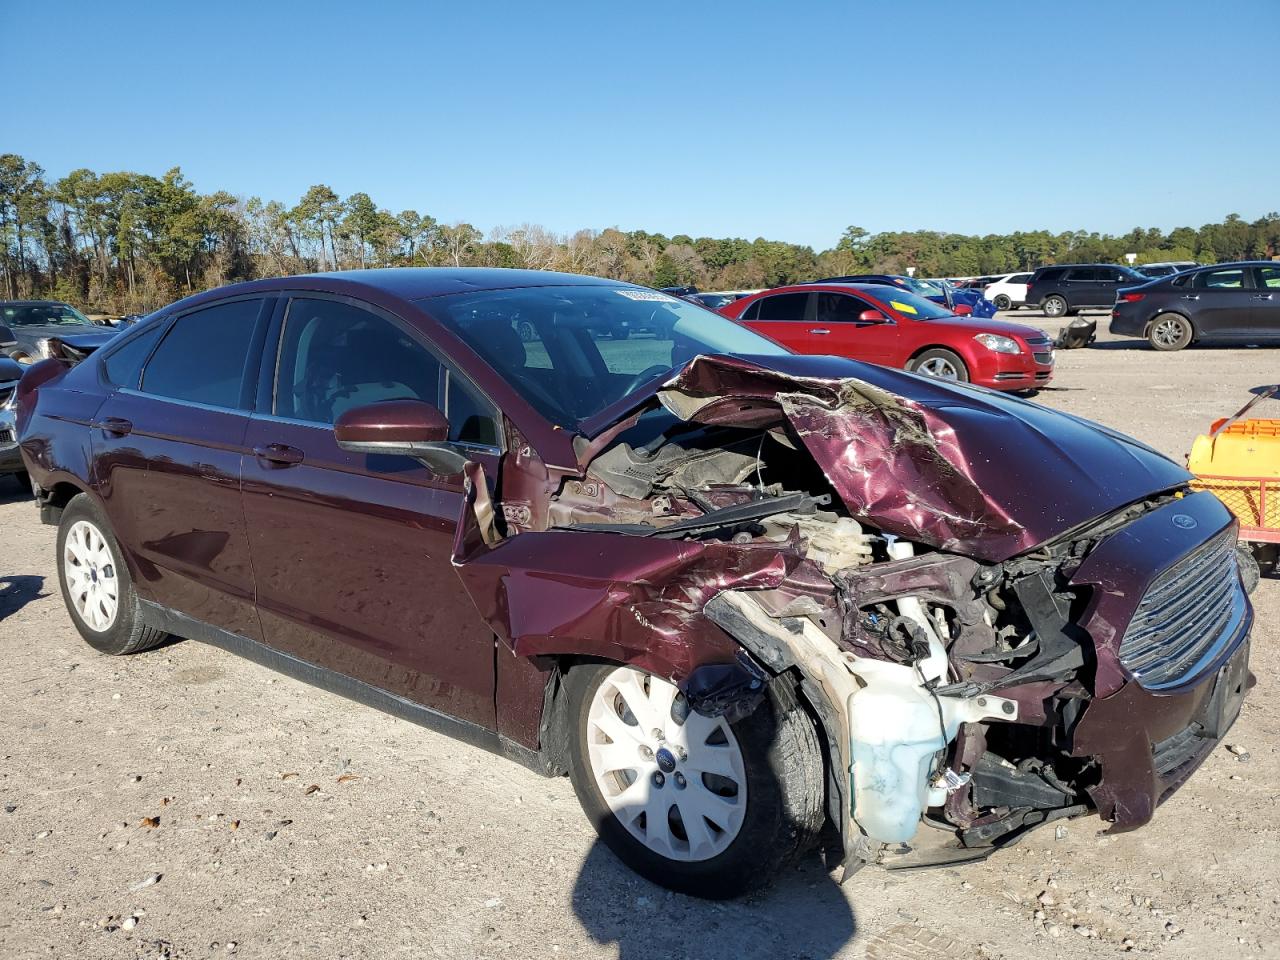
point(1266, 302)
point(1080, 287)
point(1221, 303)
point(167, 446)
point(1110, 279)
point(787, 318)
point(352, 551)
point(851, 336)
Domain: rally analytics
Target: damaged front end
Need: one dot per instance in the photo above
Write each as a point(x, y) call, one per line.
point(998, 615)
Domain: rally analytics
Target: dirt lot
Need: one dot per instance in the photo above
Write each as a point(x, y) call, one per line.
point(286, 822)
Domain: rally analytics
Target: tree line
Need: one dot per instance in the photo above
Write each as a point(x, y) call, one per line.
point(125, 242)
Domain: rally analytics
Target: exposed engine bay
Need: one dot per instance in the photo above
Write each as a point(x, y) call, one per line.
point(949, 667)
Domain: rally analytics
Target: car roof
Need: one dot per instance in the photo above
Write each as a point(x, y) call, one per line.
point(401, 283)
point(34, 303)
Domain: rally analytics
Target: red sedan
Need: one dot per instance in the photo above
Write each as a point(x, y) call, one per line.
point(895, 328)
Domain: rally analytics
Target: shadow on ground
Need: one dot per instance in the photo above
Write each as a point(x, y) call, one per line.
point(14, 489)
point(804, 915)
point(17, 591)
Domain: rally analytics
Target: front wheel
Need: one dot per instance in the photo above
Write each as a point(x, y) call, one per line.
point(1169, 331)
point(96, 585)
point(692, 803)
point(942, 364)
point(1054, 306)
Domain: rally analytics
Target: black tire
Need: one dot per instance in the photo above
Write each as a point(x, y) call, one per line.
point(1250, 571)
point(1170, 331)
point(126, 633)
point(932, 361)
point(1003, 302)
point(1054, 306)
point(785, 790)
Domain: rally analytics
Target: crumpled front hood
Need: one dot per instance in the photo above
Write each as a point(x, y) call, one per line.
point(959, 468)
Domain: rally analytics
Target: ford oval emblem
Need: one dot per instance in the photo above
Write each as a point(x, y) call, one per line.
point(1184, 521)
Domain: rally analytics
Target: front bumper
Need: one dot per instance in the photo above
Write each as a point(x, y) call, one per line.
point(1147, 738)
point(1023, 371)
point(1166, 737)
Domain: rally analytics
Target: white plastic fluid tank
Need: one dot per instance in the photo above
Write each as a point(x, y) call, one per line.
point(895, 732)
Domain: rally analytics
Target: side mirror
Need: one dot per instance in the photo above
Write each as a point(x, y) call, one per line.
point(872, 316)
point(962, 310)
point(407, 428)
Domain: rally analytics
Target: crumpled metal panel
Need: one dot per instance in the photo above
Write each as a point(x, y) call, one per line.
point(961, 469)
point(630, 599)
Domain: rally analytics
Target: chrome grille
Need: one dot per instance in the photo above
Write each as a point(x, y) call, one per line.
point(1189, 611)
point(6, 437)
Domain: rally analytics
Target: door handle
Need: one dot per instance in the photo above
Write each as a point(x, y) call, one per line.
point(115, 426)
point(1188, 296)
point(1262, 296)
point(278, 454)
point(820, 330)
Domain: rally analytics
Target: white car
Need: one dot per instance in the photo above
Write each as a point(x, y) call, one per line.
point(1009, 292)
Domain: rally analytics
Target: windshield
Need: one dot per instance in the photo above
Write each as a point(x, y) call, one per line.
point(917, 308)
point(39, 314)
point(572, 351)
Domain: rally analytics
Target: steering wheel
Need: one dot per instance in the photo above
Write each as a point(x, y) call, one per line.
point(643, 377)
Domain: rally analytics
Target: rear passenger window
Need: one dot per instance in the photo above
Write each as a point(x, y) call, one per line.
point(1020, 278)
point(124, 366)
point(785, 306)
point(202, 357)
point(335, 356)
point(1082, 273)
point(1220, 280)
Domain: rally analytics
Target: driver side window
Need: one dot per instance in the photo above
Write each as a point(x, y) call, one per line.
point(335, 356)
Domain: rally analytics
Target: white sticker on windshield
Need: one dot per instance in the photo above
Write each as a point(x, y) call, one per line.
point(645, 295)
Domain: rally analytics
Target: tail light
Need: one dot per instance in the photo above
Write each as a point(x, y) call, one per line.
point(1131, 297)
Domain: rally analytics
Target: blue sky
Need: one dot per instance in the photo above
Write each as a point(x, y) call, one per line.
point(789, 121)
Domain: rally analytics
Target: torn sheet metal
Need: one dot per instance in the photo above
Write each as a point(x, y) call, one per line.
point(968, 474)
point(634, 600)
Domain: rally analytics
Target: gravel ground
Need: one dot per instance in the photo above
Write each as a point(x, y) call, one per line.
point(184, 803)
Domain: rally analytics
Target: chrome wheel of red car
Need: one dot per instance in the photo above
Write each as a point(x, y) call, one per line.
point(942, 364)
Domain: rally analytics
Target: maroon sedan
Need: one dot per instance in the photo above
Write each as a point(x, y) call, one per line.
point(736, 594)
point(897, 328)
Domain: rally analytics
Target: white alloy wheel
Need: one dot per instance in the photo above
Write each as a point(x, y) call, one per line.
point(939, 367)
point(674, 778)
point(90, 574)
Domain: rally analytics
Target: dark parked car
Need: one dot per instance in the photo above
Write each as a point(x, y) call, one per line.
point(10, 455)
point(1165, 269)
point(684, 570)
point(1228, 301)
point(34, 323)
point(1066, 289)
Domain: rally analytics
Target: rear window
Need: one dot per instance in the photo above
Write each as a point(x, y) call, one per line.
point(124, 366)
point(1050, 275)
point(1019, 278)
point(202, 358)
point(785, 306)
point(1220, 279)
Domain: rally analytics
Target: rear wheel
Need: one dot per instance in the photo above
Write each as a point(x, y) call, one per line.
point(96, 585)
point(942, 364)
point(1170, 331)
point(1003, 302)
point(693, 803)
point(1054, 306)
